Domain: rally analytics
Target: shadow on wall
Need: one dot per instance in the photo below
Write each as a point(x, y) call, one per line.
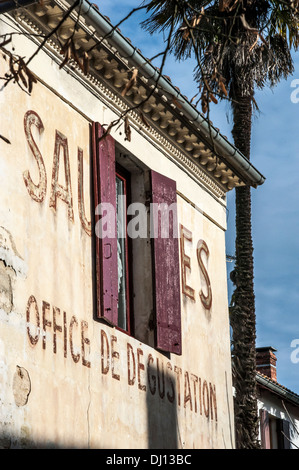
point(161, 406)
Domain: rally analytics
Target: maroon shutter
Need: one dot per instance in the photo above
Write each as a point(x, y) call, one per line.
point(106, 248)
point(265, 429)
point(166, 269)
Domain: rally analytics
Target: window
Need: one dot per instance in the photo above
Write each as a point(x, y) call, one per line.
point(137, 278)
point(275, 432)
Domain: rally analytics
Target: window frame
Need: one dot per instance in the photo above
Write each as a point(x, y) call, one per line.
point(272, 429)
point(125, 176)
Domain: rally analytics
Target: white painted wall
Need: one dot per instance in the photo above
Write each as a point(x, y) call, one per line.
point(282, 409)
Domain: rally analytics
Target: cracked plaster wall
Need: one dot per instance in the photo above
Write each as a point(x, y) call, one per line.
point(67, 380)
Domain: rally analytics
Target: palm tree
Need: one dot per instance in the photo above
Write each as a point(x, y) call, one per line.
point(240, 46)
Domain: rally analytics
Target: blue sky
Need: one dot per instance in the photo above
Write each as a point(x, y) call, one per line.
point(275, 205)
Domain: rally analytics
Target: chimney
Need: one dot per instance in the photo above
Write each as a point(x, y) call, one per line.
point(266, 362)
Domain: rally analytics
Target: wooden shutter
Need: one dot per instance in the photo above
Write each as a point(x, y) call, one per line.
point(106, 248)
point(166, 270)
point(265, 429)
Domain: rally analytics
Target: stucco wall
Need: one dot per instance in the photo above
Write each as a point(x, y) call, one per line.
point(67, 379)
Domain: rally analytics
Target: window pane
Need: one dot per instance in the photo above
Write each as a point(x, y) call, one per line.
point(121, 253)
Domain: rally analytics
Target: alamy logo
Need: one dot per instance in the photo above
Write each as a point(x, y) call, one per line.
point(295, 353)
point(295, 93)
point(161, 222)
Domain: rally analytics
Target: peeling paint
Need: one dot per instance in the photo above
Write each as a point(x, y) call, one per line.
point(21, 386)
point(6, 295)
point(9, 253)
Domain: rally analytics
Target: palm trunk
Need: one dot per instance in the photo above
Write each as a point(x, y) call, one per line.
point(243, 307)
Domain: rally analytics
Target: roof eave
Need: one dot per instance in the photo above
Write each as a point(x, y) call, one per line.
point(277, 389)
point(245, 168)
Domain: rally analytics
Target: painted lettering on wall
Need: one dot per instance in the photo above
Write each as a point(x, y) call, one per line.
point(48, 319)
point(58, 192)
point(63, 194)
point(202, 251)
point(144, 371)
point(36, 191)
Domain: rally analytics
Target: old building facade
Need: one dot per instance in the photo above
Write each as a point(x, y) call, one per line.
point(278, 406)
point(113, 333)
